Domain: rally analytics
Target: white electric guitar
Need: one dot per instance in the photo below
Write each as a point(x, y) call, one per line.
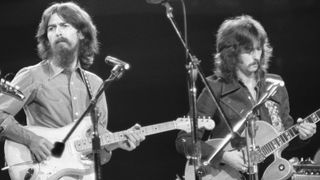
point(72, 162)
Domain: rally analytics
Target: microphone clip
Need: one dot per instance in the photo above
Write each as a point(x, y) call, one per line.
point(117, 71)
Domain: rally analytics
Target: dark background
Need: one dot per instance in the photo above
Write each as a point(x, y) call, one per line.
point(154, 90)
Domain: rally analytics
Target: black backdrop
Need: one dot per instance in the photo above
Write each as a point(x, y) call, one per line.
point(154, 89)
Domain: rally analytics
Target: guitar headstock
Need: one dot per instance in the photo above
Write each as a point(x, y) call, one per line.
point(7, 88)
point(184, 123)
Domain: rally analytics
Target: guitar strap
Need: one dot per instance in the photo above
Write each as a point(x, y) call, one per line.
point(87, 83)
point(89, 88)
point(90, 91)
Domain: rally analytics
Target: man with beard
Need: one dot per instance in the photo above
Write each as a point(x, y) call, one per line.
point(239, 81)
point(58, 89)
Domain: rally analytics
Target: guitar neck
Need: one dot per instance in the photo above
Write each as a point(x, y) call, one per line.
point(146, 130)
point(110, 138)
point(287, 136)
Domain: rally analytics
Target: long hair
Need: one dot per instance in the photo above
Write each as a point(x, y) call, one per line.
point(77, 17)
point(237, 34)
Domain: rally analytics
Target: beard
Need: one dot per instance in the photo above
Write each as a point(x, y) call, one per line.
point(64, 53)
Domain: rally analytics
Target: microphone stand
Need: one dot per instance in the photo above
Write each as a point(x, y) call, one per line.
point(193, 70)
point(57, 151)
point(251, 146)
point(251, 132)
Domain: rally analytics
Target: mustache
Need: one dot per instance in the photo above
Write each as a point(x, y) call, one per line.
point(62, 39)
point(256, 62)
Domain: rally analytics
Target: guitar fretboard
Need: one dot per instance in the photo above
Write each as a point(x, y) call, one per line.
point(286, 136)
point(85, 144)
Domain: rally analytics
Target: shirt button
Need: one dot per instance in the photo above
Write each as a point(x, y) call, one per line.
point(71, 82)
point(76, 113)
point(75, 98)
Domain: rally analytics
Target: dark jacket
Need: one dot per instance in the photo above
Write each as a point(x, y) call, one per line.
point(235, 101)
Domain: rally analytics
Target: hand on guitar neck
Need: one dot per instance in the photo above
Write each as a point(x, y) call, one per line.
point(133, 139)
point(41, 148)
point(306, 129)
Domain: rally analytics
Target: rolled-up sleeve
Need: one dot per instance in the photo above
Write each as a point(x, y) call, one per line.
point(10, 106)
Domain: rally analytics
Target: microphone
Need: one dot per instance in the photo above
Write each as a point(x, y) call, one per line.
point(116, 62)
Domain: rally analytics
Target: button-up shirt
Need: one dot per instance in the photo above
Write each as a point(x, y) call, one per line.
point(54, 97)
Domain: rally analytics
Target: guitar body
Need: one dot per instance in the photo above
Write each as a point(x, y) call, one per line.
point(70, 164)
point(264, 134)
point(279, 169)
point(224, 172)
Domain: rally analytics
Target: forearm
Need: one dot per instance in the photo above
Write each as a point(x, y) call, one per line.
point(14, 131)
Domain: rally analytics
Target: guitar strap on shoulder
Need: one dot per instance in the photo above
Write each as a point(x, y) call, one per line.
point(87, 83)
point(89, 88)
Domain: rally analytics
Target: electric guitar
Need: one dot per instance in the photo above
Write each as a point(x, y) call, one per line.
point(268, 141)
point(7, 88)
point(73, 161)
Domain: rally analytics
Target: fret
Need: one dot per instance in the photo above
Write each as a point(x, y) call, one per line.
point(109, 138)
point(282, 138)
point(277, 142)
point(266, 149)
point(295, 130)
point(120, 136)
point(286, 136)
point(314, 118)
point(291, 132)
point(263, 150)
point(274, 143)
point(116, 137)
point(317, 113)
point(270, 146)
point(158, 128)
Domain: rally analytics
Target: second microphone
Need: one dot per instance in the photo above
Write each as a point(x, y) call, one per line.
point(115, 61)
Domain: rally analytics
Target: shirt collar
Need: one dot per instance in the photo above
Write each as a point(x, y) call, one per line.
point(237, 84)
point(56, 70)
